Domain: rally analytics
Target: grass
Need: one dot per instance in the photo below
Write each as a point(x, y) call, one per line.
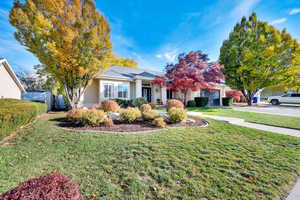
point(221, 161)
point(259, 118)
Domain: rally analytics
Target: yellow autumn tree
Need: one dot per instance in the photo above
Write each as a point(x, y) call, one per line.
point(69, 37)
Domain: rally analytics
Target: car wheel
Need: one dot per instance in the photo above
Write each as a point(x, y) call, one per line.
point(274, 102)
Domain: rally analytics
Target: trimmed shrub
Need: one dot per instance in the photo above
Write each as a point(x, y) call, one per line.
point(174, 103)
point(139, 101)
point(50, 186)
point(150, 115)
point(191, 103)
point(110, 106)
point(75, 114)
point(153, 105)
point(15, 113)
point(159, 122)
point(227, 101)
point(92, 117)
point(177, 115)
point(123, 102)
point(130, 115)
point(201, 101)
point(145, 108)
point(108, 122)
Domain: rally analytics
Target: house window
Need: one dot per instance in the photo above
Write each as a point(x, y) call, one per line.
point(122, 91)
point(108, 91)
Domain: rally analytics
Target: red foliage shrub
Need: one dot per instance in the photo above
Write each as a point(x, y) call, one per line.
point(235, 94)
point(110, 106)
point(48, 187)
point(174, 103)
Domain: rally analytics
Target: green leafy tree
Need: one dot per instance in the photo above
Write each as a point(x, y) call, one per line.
point(257, 55)
point(69, 37)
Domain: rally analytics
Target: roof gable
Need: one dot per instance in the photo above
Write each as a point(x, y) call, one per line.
point(5, 64)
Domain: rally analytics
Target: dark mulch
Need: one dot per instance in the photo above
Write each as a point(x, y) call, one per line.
point(126, 127)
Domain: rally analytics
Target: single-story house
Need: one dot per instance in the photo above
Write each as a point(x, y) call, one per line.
point(10, 86)
point(130, 83)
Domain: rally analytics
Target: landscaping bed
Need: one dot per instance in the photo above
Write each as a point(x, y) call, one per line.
point(137, 126)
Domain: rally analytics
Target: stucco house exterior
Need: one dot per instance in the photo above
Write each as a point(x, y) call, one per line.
point(130, 83)
point(10, 86)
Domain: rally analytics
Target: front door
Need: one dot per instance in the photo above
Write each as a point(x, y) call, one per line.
point(146, 93)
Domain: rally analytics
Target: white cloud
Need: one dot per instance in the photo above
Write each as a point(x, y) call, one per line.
point(3, 13)
point(279, 21)
point(169, 56)
point(294, 11)
point(243, 8)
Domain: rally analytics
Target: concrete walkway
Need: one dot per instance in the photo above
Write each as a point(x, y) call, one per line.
point(241, 122)
point(295, 192)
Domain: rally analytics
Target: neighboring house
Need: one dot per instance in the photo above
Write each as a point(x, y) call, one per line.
point(130, 83)
point(10, 86)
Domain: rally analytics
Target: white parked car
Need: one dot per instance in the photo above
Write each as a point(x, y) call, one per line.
point(286, 98)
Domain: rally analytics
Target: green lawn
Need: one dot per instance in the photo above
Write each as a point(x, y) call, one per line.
point(260, 118)
point(221, 161)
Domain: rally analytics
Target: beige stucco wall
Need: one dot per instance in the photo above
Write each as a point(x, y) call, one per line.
point(91, 94)
point(8, 87)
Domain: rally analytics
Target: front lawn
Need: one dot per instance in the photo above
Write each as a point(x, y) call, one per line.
point(260, 118)
point(221, 161)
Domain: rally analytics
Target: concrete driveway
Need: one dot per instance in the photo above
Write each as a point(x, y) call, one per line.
point(287, 110)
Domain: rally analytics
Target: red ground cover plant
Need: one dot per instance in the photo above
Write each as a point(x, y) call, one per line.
point(51, 186)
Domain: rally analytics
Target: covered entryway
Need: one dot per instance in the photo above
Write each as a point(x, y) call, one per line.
point(146, 93)
point(213, 97)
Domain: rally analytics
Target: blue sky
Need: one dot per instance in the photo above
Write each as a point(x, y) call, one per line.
point(155, 32)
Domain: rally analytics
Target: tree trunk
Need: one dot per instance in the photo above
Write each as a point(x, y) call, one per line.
point(73, 95)
point(248, 96)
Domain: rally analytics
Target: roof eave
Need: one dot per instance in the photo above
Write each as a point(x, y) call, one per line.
point(12, 74)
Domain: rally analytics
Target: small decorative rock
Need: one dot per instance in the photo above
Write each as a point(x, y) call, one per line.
point(190, 121)
point(113, 116)
point(164, 115)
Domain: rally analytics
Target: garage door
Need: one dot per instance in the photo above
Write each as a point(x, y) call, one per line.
point(213, 97)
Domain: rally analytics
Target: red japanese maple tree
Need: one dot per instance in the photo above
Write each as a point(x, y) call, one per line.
point(191, 73)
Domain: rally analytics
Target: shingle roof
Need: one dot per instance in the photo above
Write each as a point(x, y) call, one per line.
point(127, 73)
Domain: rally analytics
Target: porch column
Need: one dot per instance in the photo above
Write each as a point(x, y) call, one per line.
point(164, 95)
point(138, 88)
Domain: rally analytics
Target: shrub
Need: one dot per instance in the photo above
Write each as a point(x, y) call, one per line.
point(50, 186)
point(123, 102)
point(92, 117)
point(139, 101)
point(108, 122)
point(159, 122)
point(110, 106)
point(150, 115)
point(201, 101)
point(75, 114)
point(174, 103)
point(177, 115)
point(130, 114)
point(145, 108)
point(191, 103)
point(15, 113)
point(227, 101)
point(153, 105)
point(235, 94)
